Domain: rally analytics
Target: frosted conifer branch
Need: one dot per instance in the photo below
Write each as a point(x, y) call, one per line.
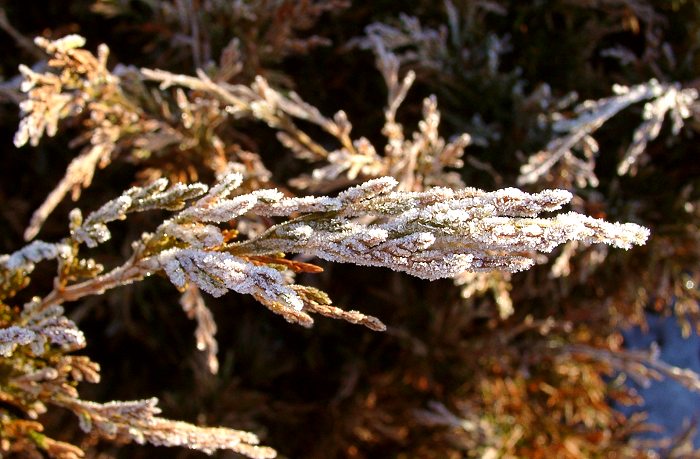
point(137, 421)
point(418, 162)
point(440, 232)
point(52, 97)
point(592, 114)
point(431, 234)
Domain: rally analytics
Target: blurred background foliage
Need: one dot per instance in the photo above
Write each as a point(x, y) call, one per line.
point(451, 377)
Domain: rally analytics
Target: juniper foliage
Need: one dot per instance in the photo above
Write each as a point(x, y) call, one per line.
point(245, 181)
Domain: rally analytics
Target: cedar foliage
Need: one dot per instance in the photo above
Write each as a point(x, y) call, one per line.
point(323, 98)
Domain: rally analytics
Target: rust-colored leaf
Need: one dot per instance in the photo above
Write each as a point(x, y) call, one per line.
point(296, 266)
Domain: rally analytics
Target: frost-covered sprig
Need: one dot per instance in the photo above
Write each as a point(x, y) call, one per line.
point(432, 234)
point(25, 258)
point(576, 133)
point(93, 230)
point(441, 240)
point(138, 421)
point(216, 273)
point(37, 327)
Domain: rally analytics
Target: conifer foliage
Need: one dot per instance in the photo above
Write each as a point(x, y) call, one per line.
point(492, 249)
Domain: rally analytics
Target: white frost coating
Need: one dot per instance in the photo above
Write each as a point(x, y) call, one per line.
point(404, 247)
point(39, 326)
point(12, 337)
point(512, 201)
point(35, 252)
point(439, 233)
point(268, 195)
point(221, 211)
point(368, 190)
point(172, 268)
point(215, 208)
point(198, 236)
point(226, 184)
point(138, 421)
point(113, 210)
point(216, 273)
point(305, 204)
point(593, 230)
point(92, 236)
point(300, 231)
